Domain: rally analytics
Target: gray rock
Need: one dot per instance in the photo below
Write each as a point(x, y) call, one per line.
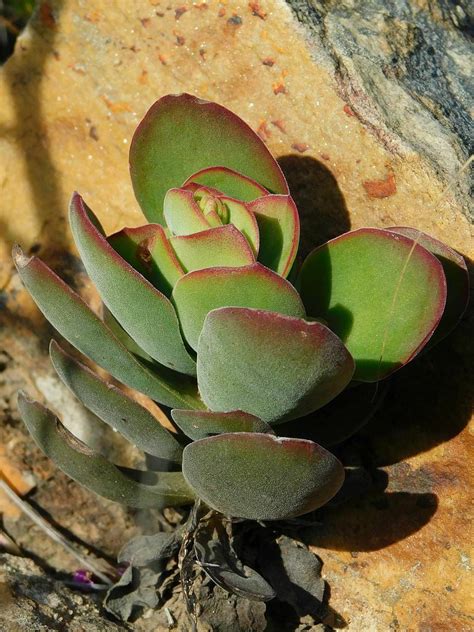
point(35, 602)
point(405, 70)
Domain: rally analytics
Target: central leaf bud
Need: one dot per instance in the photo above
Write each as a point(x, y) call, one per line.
point(214, 210)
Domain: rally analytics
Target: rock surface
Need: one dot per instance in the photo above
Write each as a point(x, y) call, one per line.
point(369, 124)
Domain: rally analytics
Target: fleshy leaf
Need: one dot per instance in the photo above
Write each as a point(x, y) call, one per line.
point(244, 220)
point(216, 247)
point(272, 366)
point(182, 213)
point(260, 476)
point(120, 333)
point(279, 228)
point(115, 408)
point(204, 423)
point(457, 279)
point(131, 487)
point(197, 293)
point(381, 293)
point(228, 182)
point(74, 320)
point(180, 135)
point(144, 312)
point(148, 250)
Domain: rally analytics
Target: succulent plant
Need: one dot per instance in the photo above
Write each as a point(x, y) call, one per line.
point(199, 315)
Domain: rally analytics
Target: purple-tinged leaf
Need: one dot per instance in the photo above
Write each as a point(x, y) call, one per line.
point(74, 320)
point(115, 408)
point(228, 182)
point(130, 487)
point(272, 366)
point(197, 293)
point(180, 135)
point(148, 250)
point(204, 423)
point(382, 294)
point(182, 213)
point(144, 312)
point(217, 247)
point(457, 279)
point(260, 476)
point(279, 228)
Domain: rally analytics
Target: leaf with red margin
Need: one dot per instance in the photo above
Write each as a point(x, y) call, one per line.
point(380, 292)
point(216, 247)
point(279, 228)
point(228, 182)
point(272, 366)
point(180, 135)
point(76, 322)
point(260, 476)
point(135, 488)
point(148, 250)
point(204, 423)
point(457, 279)
point(244, 220)
point(144, 312)
point(182, 213)
point(197, 293)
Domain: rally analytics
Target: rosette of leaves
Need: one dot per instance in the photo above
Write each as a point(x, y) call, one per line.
point(199, 315)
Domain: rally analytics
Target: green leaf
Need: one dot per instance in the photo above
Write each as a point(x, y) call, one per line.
point(197, 293)
point(279, 227)
point(228, 182)
point(182, 213)
point(272, 366)
point(381, 293)
point(115, 408)
point(244, 220)
point(260, 476)
point(216, 247)
point(457, 279)
point(204, 423)
point(144, 312)
point(73, 319)
point(148, 250)
point(128, 342)
point(95, 472)
point(181, 135)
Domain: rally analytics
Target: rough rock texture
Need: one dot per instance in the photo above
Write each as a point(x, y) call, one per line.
point(32, 600)
point(370, 125)
point(405, 70)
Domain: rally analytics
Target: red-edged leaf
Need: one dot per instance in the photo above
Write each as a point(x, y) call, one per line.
point(144, 312)
point(204, 423)
point(182, 213)
point(181, 135)
point(380, 292)
point(148, 250)
point(74, 320)
point(279, 228)
point(216, 247)
point(228, 182)
point(272, 366)
point(199, 292)
point(457, 279)
point(260, 476)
